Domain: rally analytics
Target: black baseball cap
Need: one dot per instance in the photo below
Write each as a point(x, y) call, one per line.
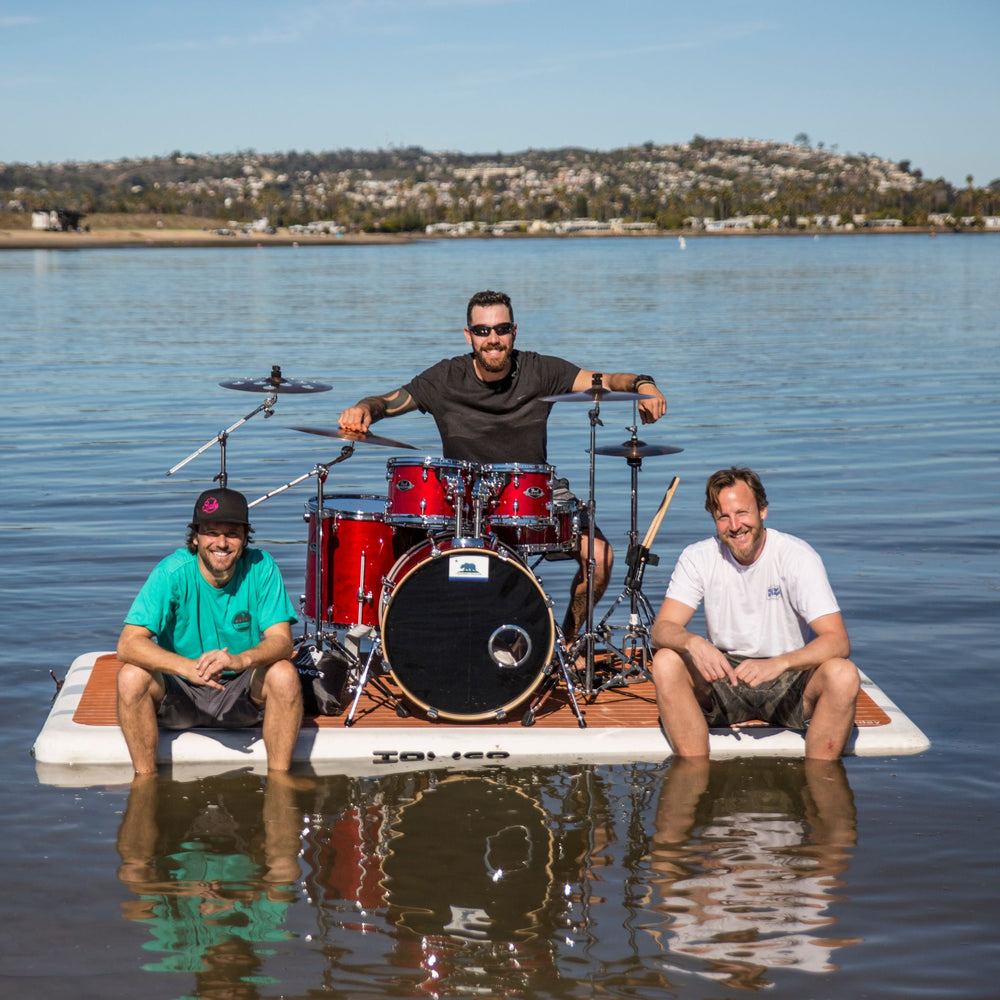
point(221, 505)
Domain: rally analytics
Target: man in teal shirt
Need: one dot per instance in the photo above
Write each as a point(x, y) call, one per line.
point(208, 641)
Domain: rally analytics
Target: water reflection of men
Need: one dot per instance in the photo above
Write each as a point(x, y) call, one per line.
point(744, 858)
point(212, 872)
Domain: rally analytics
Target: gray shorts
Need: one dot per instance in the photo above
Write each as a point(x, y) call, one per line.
point(195, 706)
point(777, 702)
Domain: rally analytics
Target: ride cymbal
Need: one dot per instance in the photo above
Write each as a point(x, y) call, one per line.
point(357, 436)
point(275, 382)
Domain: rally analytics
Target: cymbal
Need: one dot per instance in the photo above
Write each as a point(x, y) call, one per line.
point(275, 382)
point(596, 395)
point(356, 436)
point(635, 448)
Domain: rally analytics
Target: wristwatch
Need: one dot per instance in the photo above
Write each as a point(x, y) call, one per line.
point(640, 379)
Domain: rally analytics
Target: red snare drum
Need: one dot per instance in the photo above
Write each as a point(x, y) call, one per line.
point(562, 535)
point(521, 494)
point(427, 493)
point(358, 549)
point(466, 629)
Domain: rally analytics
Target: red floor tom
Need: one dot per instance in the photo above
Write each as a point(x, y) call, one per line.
point(358, 548)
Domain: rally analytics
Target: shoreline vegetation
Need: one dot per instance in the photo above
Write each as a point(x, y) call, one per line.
point(725, 187)
point(128, 236)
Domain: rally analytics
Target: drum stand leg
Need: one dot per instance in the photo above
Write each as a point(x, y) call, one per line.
point(528, 719)
point(635, 649)
point(367, 677)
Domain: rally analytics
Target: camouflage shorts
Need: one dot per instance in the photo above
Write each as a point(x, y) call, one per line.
point(777, 702)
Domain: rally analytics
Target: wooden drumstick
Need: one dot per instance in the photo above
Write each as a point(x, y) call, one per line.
point(654, 525)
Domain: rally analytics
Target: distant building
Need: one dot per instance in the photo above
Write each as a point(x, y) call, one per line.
point(56, 220)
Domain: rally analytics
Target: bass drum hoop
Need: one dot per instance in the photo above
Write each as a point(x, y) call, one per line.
point(409, 565)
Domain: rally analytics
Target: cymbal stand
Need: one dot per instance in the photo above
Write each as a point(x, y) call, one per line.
point(223, 436)
point(320, 471)
point(587, 640)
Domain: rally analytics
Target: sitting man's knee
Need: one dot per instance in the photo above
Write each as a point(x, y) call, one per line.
point(133, 682)
point(667, 667)
point(842, 676)
point(282, 680)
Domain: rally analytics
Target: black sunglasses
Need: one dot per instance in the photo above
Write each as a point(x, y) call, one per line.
point(502, 330)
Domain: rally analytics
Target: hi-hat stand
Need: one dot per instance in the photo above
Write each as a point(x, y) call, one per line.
point(635, 649)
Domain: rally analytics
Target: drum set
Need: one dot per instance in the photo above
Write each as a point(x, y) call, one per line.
point(429, 584)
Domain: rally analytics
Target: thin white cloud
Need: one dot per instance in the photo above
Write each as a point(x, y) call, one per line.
point(17, 20)
point(559, 62)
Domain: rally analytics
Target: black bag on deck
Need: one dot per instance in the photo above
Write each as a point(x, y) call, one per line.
point(324, 675)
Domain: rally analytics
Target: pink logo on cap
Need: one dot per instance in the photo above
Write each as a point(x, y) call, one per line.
point(210, 506)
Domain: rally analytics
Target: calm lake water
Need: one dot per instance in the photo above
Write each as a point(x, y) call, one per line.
point(858, 375)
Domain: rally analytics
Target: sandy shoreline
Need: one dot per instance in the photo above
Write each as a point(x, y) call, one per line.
point(29, 239)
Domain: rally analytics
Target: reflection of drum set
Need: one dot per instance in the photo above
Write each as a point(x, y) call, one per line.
point(430, 583)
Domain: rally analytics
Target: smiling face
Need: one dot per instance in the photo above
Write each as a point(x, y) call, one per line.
point(739, 523)
point(220, 545)
point(493, 349)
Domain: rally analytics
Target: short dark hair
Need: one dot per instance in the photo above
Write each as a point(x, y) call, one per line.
point(488, 298)
point(724, 478)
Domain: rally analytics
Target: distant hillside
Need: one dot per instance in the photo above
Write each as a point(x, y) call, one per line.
point(766, 184)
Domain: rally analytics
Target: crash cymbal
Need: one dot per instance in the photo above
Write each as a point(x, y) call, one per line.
point(637, 449)
point(357, 436)
point(596, 395)
point(275, 382)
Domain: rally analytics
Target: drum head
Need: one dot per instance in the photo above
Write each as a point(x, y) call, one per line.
point(468, 632)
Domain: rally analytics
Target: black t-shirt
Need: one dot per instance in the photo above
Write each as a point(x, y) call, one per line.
point(493, 422)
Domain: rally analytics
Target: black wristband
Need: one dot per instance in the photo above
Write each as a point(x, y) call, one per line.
point(640, 379)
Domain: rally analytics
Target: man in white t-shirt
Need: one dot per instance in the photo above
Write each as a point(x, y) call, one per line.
point(777, 647)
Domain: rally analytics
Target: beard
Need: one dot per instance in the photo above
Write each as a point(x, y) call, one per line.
point(746, 547)
point(494, 363)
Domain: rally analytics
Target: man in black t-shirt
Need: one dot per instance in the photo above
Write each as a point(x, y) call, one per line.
point(489, 408)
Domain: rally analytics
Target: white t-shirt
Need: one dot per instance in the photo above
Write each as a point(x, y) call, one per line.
point(759, 610)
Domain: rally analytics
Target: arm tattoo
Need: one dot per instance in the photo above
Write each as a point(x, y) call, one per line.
point(392, 404)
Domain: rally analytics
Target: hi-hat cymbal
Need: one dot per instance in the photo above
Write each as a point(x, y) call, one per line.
point(596, 395)
point(357, 436)
point(636, 449)
point(275, 382)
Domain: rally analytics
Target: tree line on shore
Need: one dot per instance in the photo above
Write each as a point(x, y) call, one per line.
point(408, 189)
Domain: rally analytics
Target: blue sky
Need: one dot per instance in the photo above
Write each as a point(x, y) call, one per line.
point(910, 80)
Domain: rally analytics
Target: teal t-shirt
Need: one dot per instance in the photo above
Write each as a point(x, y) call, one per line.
point(188, 616)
